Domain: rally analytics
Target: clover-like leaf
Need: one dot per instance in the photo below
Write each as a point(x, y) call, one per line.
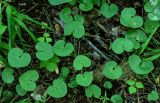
point(58, 89)
point(58, 2)
point(52, 66)
point(81, 61)
point(130, 19)
point(65, 15)
point(139, 85)
point(61, 48)
point(84, 79)
point(44, 51)
point(112, 71)
point(86, 5)
point(109, 11)
point(28, 80)
point(150, 25)
point(75, 27)
point(153, 96)
point(116, 99)
point(7, 75)
point(140, 66)
point(20, 91)
point(64, 71)
point(132, 90)
point(93, 91)
point(17, 58)
point(122, 44)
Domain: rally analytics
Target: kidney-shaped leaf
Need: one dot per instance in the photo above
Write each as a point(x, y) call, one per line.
point(65, 15)
point(153, 96)
point(112, 71)
point(86, 5)
point(58, 2)
point(61, 48)
point(93, 90)
point(28, 80)
point(17, 58)
point(44, 51)
point(116, 99)
point(84, 79)
point(140, 66)
point(7, 75)
point(58, 89)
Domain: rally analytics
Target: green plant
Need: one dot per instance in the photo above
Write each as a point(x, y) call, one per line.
point(46, 38)
point(133, 86)
point(81, 61)
point(7, 75)
point(58, 89)
point(139, 66)
point(130, 19)
point(20, 91)
point(17, 58)
point(93, 90)
point(108, 85)
point(58, 2)
point(62, 49)
point(112, 71)
point(116, 99)
point(84, 79)
point(109, 11)
point(153, 96)
point(28, 80)
point(86, 5)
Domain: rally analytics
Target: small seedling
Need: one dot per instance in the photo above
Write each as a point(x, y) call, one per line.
point(46, 38)
point(116, 99)
point(153, 96)
point(62, 49)
point(130, 19)
point(7, 75)
point(81, 61)
point(109, 11)
point(93, 91)
point(44, 51)
point(28, 80)
point(58, 89)
point(139, 66)
point(122, 44)
point(84, 79)
point(65, 15)
point(17, 58)
point(20, 91)
point(108, 85)
point(112, 71)
point(86, 5)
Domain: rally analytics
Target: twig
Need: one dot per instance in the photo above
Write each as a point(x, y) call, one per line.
point(32, 8)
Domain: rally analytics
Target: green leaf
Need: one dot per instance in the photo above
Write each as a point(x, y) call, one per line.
point(62, 49)
point(7, 75)
point(17, 58)
point(116, 99)
point(109, 11)
point(52, 66)
point(2, 29)
point(65, 15)
point(58, 2)
point(139, 85)
point(93, 91)
point(28, 80)
point(122, 44)
point(84, 79)
point(130, 19)
point(108, 85)
point(81, 61)
point(140, 66)
point(44, 51)
point(149, 25)
point(58, 89)
point(86, 5)
point(20, 91)
point(112, 71)
point(132, 90)
point(153, 96)
point(131, 82)
point(65, 71)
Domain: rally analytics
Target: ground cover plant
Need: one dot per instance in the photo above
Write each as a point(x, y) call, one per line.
point(79, 51)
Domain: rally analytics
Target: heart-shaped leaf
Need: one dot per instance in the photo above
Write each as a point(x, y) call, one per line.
point(80, 62)
point(7, 75)
point(75, 27)
point(27, 80)
point(58, 89)
point(140, 66)
point(153, 96)
point(20, 91)
point(132, 90)
point(109, 11)
point(130, 19)
point(149, 25)
point(17, 58)
point(58, 2)
point(93, 90)
point(86, 5)
point(61, 48)
point(112, 71)
point(116, 99)
point(65, 15)
point(84, 79)
point(44, 51)
point(122, 44)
